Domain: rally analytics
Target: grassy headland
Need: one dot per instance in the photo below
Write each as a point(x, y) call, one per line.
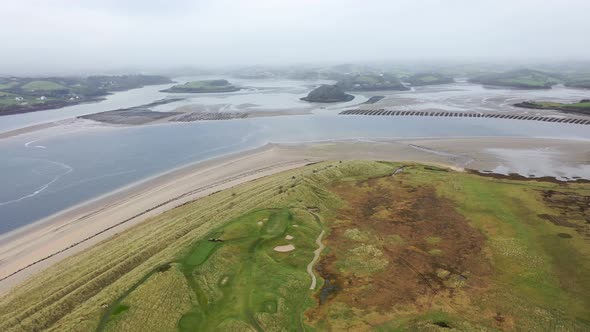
point(20, 95)
point(581, 107)
point(206, 86)
point(422, 249)
point(522, 79)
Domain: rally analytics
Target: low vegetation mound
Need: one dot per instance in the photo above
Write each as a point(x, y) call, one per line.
point(581, 107)
point(522, 79)
point(327, 94)
point(420, 249)
point(205, 86)
point(429, 79)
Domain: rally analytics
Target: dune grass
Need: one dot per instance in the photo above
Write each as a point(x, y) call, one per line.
point(422, 250)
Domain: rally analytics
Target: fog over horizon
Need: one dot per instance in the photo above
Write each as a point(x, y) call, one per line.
point(67, 37)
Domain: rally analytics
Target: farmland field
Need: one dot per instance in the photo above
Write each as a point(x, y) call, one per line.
point(408, 247)
point(43, 86)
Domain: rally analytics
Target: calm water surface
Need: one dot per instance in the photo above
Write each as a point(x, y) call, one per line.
point(47, 171)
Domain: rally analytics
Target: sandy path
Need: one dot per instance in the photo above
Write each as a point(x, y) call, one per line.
point(316, 256)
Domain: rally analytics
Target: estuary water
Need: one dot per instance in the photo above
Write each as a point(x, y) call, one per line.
point(44, 172)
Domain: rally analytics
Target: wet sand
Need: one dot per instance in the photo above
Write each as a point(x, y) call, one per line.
point(31, 249)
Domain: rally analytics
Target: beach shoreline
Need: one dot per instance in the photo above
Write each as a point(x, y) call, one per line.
point(29, 250)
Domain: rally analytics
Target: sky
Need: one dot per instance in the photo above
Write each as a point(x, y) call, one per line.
point(60, 36)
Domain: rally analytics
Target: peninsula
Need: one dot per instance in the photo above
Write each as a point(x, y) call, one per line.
point(23, 94)
point(581, 107)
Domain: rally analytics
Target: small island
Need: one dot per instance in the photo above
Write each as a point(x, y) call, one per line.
point(422, 79)
point(24, 94)
point(205, 86)
point(581, 107)
point(327, 94)
point(520, 79)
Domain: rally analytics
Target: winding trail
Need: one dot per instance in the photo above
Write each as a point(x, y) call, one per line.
point(316, 256)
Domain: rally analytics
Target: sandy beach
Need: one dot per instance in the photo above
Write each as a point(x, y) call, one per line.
point(31, 249)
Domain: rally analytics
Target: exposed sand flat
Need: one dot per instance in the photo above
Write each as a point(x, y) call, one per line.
point(29, 129)
point(33, 248)
point(285, 248)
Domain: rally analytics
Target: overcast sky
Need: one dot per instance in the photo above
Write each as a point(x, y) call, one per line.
point(59, 35)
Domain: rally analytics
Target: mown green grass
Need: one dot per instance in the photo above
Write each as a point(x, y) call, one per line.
point(165, 274)
point(225, 278)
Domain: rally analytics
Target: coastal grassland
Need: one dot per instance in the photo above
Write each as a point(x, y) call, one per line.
point(431, 249)
point(408, 247)
point(78, 292)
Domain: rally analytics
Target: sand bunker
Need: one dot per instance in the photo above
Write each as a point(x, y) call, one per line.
point(259, 223)
point(286, 248)
point(289, 237)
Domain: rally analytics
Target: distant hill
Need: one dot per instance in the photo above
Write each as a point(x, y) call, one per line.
point(429, 79)
point(584, 84)
point(327, 94)
point(371, 82)
point(521, 78)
